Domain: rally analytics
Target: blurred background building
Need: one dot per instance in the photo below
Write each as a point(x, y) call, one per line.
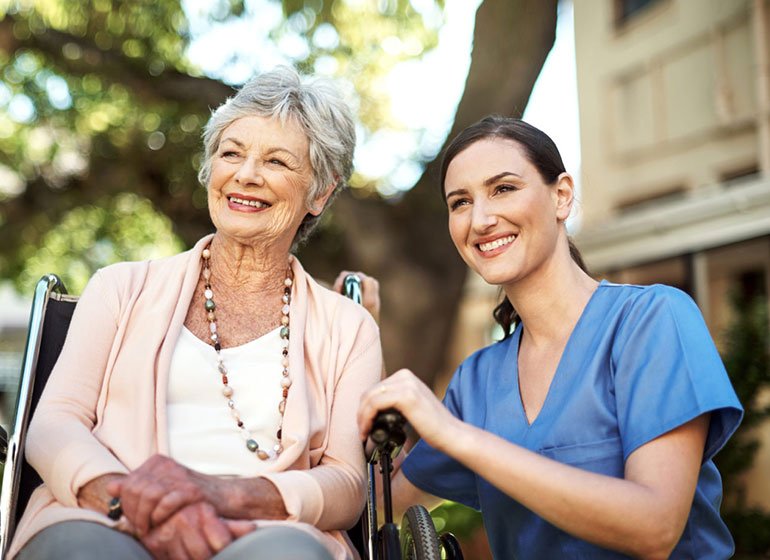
point(674, 100)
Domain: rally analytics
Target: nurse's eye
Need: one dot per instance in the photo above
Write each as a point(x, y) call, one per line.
point(504, 188)
point(458, 202)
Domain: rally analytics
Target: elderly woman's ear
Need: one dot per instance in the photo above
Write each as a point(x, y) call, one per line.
point(318, 204)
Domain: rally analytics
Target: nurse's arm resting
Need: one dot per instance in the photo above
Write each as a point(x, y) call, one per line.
point(642, 514)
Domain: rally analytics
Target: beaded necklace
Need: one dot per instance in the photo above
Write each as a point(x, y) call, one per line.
point(227, 391)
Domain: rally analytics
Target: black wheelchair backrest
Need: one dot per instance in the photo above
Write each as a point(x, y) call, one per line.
point(49, 321)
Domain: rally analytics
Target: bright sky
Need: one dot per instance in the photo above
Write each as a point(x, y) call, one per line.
point(234, 51)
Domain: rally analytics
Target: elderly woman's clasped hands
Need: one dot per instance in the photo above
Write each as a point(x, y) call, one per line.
point(172, 509)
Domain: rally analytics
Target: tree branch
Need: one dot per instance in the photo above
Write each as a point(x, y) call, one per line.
point(169, 85)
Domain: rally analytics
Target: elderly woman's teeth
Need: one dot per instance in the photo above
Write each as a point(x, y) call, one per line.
point(254, 203)
point(496, 243)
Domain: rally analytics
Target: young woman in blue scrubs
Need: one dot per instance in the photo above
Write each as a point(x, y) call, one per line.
point(589, 431)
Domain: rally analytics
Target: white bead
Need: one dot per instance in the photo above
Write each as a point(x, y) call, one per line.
point(231, 403)
point(286, 382)
point(208, 294)
point(206, 253)
point(213, 327)
point(287, 282)
point(285, 362)
point(285, 309)
point(227, 391)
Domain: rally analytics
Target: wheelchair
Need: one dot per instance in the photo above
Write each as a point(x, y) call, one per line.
point(50, 316)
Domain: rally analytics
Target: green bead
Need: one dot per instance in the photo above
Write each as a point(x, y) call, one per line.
point(252, 445)
point(210, 305)
point(284, 332)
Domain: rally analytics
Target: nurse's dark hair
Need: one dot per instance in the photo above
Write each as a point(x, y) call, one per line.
point(541, 152)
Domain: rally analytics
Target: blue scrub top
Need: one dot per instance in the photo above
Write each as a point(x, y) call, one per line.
point(639, 363)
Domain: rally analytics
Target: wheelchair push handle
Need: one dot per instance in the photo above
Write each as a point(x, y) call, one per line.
point(351, 288)
point(387, 435)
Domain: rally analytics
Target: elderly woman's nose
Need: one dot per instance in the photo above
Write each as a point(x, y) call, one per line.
point(250, 172)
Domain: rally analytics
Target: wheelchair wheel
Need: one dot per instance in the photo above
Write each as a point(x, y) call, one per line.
point(418, 535)
point(450, 547)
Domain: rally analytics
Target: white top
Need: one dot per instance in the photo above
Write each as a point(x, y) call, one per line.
point(202, 433)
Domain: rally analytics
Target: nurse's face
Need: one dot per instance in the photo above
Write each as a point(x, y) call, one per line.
point(503, 219)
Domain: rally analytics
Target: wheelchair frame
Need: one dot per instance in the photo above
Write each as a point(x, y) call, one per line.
point(50, 315)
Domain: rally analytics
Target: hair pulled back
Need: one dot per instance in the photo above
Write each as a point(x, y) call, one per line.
point(539, 150)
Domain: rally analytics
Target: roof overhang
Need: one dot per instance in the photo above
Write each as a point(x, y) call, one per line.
point(707, 218)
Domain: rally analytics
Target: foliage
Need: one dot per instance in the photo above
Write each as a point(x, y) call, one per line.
point(457, 519)
point(751, 530)
point(99, 98)
point(122, 228)
point(747, 361)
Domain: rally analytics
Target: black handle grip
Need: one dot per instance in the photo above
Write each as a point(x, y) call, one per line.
point(387, 435)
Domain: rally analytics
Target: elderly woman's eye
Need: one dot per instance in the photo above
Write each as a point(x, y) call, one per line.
point(277, 161)
point(228, 154)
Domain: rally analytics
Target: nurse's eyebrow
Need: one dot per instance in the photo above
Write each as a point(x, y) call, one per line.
point(455, 192)
point(496, 178)
point(487, 182)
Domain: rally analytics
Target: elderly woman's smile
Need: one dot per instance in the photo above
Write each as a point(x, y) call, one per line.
point(260, 179)
point(243, 203)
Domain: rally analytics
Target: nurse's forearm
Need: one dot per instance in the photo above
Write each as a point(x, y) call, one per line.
point(642, 515)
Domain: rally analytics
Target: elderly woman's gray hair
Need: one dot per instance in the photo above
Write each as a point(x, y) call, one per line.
point(315, 104)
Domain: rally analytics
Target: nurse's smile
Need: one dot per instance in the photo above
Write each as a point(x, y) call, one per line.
point(493, 246)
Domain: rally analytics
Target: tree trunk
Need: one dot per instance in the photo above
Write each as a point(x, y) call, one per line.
point(405, 244)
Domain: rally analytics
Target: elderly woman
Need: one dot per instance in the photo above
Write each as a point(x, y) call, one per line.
point(201, 395)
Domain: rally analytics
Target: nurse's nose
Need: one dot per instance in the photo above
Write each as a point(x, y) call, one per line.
point(250, 173)
point(483, 217)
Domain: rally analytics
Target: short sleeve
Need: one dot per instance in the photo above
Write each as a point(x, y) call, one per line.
point(667, 372)
point(435, 472)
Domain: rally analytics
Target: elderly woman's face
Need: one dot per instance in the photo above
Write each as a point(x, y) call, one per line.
point(260, 176)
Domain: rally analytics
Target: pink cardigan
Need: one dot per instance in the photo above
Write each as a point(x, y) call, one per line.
point(104, 407)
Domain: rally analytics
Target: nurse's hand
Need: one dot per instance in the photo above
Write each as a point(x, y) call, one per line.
point(410, 396)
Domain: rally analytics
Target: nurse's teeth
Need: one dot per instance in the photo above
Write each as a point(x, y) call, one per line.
point(496, 243)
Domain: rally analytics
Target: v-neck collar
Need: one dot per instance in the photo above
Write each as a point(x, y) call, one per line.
point(556, 382)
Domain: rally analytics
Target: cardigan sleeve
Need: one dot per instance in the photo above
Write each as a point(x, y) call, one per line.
point(331, 495)
point(60, 444)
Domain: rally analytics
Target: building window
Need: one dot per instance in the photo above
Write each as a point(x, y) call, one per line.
point(627, 9)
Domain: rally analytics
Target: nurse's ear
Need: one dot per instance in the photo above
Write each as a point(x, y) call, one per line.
point(563, 193)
